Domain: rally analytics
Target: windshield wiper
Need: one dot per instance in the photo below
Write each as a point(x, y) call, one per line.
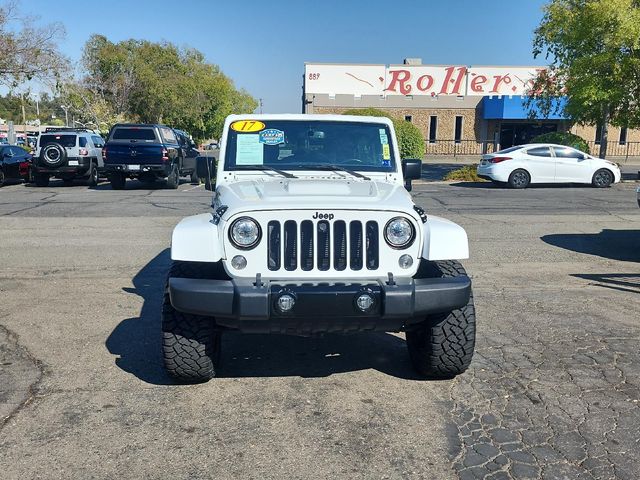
point(265, 168)
point(334, 168)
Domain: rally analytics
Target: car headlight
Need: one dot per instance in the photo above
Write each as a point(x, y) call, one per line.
point(399, 232)
point(245, 233)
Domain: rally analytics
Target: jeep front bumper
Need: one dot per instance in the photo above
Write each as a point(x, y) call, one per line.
point(320, 306)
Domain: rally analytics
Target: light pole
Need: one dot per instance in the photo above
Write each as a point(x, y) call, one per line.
point(66, 114)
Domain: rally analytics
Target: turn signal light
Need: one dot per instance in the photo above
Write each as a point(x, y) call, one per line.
point(104, 153)
point(165, 155)
point(84, 152)
point(498, 159)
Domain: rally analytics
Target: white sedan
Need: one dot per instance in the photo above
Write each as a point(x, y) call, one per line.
point(546, 163)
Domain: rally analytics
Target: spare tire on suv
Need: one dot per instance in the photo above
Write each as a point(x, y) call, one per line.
point(53, 155)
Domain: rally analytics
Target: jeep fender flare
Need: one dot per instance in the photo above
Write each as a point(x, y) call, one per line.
point(196, 239)
point(444, 240)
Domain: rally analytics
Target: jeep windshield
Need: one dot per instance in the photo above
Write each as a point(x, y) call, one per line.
point(310, 145)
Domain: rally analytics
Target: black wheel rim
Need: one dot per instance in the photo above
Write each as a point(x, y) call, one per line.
point(519, 179)
point(603, 179)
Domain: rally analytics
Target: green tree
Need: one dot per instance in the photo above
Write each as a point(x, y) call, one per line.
point(29, 51)
point(410, 140)
point(159, 83)
point(594, 52)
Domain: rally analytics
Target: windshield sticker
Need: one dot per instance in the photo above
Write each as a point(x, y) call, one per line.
point(246, 126)
point(272, 136)
point(386, 163)
point(386, 152)
point(384, 140)
point(249, 150)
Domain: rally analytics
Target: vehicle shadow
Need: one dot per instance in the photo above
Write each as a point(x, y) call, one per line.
point(624, 282)
point(136, 343)
point(138, 185)
point(620, 245)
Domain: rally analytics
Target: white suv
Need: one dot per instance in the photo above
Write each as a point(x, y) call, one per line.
point(68, 153)
point(313, 231)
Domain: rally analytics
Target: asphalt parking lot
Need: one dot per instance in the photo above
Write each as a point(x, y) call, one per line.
point(553, 391)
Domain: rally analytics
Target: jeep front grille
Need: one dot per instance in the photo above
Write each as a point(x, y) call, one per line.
point(322, 245)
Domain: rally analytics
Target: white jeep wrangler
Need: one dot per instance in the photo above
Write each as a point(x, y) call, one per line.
point(313, 231)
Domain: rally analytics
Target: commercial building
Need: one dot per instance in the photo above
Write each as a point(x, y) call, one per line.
point(462, 110)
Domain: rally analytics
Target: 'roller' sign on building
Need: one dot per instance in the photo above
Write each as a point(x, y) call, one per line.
point(334, 79)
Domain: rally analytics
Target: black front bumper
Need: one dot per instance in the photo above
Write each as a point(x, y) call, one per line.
point(319, 307)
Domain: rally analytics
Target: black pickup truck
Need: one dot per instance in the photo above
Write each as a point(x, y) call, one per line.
point(148, 152)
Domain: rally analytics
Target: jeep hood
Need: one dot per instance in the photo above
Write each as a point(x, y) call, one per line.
point(289, 194)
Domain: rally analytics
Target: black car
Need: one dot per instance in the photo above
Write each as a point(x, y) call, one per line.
point(15, 163)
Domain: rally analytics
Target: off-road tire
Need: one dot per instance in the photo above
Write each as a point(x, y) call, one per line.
point(442, 346)
point(519, 179)
point(41, 179)
point(173, 179)
point(94, 176)
point(190, 343)
point(603, 178)
point(117, 181)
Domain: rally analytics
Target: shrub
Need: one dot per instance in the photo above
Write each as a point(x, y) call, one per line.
point(467, 173)
point(563, 138)
point(410, 141)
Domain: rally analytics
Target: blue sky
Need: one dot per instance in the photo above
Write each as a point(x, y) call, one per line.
point(262, 45)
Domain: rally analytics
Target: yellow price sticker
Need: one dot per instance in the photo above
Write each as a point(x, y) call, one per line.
point(247, 126)
point(386, 152)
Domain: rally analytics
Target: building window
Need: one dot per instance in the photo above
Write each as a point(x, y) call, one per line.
point(599, 129)
point(408, 118)
point(458, 130)
point(433, 128)
point(623, 136)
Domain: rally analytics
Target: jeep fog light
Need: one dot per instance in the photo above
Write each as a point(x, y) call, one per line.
point(365, 302)
point(238, 262)
point(285, 302)
point(405, 261)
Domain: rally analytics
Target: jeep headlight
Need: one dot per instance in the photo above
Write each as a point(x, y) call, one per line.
point(245, 233)
point(399, 232)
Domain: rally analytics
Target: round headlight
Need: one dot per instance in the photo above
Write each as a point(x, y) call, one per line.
point(399, 232)
point(245, 233)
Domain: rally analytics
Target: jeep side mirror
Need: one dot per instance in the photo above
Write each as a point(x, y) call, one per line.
point(204, 169)
point(411, 170)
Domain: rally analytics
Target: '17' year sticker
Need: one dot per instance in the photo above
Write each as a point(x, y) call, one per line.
point(247, 126)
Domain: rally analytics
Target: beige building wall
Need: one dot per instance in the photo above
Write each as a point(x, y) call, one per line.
point(473, 136)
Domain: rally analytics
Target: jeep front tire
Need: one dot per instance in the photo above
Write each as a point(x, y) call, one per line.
point(190, 343)
point(441, 346)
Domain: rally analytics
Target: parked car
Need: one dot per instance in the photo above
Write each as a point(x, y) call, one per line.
point(147, 152)
point(189, 151)
point(68, 153)
point(313, 231)
point(15, 163)
point(523, 165)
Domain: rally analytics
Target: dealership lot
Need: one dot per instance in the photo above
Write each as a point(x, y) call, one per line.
point(553, 391)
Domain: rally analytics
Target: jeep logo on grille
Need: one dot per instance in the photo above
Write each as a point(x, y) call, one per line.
point(323, 216)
